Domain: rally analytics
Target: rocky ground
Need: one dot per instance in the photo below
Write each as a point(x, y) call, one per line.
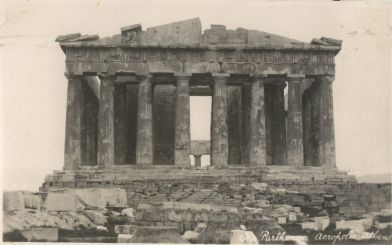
point(103, 215)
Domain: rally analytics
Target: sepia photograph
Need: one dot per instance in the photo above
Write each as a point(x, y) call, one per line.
point(196, 122)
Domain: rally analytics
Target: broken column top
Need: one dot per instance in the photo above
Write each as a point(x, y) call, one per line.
point(189, 34)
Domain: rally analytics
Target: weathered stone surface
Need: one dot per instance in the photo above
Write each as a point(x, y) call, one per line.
point(128, 212)
point(125, 229)
point(219, 140)
point(191, 236)
point(309, 226)
point(41, 234)
point(327, 135)
point(357, 225)
point(102, 197)
point(67, 220)
point(106, 122)
point(144, 148)
point(182, 32)
point(182, 128)
point(73, 126)
point(321, 222)
point(263, 187)
point(13, 200)
point(294, 123)
point(96, 217)
point(57, 201)
point(32, 201)
point(124, 238)
point(257, 142)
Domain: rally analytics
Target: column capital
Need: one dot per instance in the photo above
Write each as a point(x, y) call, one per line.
point(71, 76)
point(220, 75)
point(258, 77)
point(143, 75)
point(106, 76)
point(295, 76)
point(328, 78)
point(183, 76)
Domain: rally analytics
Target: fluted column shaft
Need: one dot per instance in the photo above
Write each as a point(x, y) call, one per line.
point(257, 142)
point(295, 154)
point(327, 134)
point(182, 130)
point(106, 121)
point(144, 146)
point(73, 124)
point(219, 139)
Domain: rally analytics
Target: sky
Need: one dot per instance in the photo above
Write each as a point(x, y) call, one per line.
point(33, 85)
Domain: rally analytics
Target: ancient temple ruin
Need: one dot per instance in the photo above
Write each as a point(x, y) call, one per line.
point(128, 97)
point(128, 119)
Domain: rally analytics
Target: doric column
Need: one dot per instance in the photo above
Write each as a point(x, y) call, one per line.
point(182, 129)
point(257, 123)
point(307, 127)
point(219, 140)
point(144, 145)
point(106, 121)
point(327, 134)
point(120, 124)
point(73, 125)
point(295, 154)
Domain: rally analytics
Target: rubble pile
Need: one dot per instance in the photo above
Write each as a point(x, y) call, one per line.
point(261, 213)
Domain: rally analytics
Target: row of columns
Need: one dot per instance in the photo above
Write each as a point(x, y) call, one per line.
point(219, 128)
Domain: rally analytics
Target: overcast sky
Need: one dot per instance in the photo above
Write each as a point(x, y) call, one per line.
point(33, 86)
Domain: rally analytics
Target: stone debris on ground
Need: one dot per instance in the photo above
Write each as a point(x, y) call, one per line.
point(180, 221)
point(358, 225)
point(37, 234)
point(128, 212)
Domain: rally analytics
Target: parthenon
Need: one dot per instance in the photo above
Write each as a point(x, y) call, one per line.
point(128, 101)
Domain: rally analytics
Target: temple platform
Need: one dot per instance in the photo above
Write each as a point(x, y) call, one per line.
point(121, 175)
point(232, 186)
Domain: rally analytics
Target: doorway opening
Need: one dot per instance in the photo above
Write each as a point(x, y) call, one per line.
point(200, 117)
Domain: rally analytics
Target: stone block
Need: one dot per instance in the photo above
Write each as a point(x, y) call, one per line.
point(292, 216)
point(309, 226)
point(144, 206)
point(263, 203)
point(282, 220)
point(243, 237)
point(41, 234)
point(358, 225)
point(263, 187)
point(124, 238)
point(63, 201)
point(191, 236)
point(321, 222)
point(125, 229)
point(200, 227)
point(297, 209)
point(128, 212)
point(386, 212)
point(173, 215)
point(13, 200)
point(102, 197)
point(32, 201)
point(167, 205)
point(96, 217)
